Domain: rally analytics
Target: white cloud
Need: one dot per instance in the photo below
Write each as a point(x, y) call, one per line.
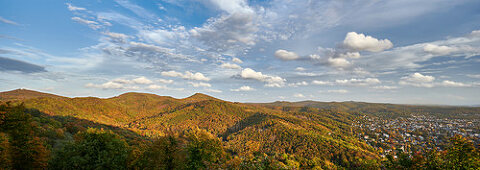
point(418, 77)
point(171, 74)
point(6, 21)
point(230, 33)
point(157, 87)
point(213, 90)
point(417, 80)
point(358, 82)
point(319, 82)
point(187, 75)
point(360, 42)
point(349, 55)
point(341, 91)
point(117, 37)
point(415, 56)
point(164, 81)
point(385, 87)
point(286, 55)
point(302, 83)
point(300, 69)
point(338, 62)
point(195, 76)
point(200, 84)
point(272, 81)
point(243, 88)
point(164, 37)
point(142, 80)
point(298, 95)
point(237, 60)
point(448, 83)
point(139, 80)
point(74, 8)
point(92, 24)
point(438, 50)
point(230, 66)
point(162, 87)
point(107, 85)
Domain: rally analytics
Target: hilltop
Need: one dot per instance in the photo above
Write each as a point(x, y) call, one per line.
point(21, 94)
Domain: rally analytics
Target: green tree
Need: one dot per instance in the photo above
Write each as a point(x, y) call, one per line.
point(462, 154)
point(204, 151)
point(164, 153)
point(93, 149)
point(5, 152)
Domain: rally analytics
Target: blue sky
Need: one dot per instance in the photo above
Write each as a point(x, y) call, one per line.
point(413, 52)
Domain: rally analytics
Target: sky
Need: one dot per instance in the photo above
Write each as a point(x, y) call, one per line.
point(386, 51)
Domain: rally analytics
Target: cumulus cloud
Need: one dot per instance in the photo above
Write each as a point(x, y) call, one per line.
point(195, 76)
point(243, 88)
point(107, 85)
point(237, 60)
point(187, 75)
point(230, 66)
point(417, 80)
point(272, 81)
point(171, 73)
point(286, 55)
point(416, 55)
point(142, 80)
point(361, 42)
point(164, 81)
point(130, 84)
point(438, 50)
point(200, 84)
point(338, 62)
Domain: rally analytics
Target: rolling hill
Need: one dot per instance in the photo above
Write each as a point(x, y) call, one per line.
point(312, 133)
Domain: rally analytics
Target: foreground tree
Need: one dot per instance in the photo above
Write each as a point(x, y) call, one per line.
point(93, 149)
point(462, 154)
point(164, 153)
point(204, 150)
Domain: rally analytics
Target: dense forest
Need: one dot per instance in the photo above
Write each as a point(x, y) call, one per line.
point(146, 131)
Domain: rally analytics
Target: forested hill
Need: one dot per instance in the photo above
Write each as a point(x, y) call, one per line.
point(197, 132)
point(382, 109)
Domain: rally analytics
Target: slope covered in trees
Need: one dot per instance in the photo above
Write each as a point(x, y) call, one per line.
point(146, 131)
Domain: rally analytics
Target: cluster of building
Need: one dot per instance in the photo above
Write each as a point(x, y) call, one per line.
point(414, 133)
